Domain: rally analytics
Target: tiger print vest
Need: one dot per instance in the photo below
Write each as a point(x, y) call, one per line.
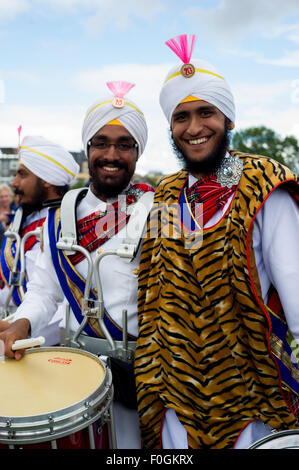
point(203, 345)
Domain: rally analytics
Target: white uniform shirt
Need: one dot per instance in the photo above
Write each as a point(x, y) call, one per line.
point(118, 278)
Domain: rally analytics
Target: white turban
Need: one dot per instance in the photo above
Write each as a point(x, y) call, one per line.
point(48, 161)
point(206, 84)
point(102, 112)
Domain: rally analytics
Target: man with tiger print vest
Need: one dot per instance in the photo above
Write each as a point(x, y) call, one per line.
point(114, 136)
point(44, 174)
point(217, 358)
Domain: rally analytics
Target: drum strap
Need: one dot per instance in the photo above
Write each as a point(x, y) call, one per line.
point(72, 283)
point(10, 253)
point(69, 231)
point(8, 250)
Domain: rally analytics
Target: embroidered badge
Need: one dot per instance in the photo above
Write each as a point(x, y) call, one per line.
point(187, 70)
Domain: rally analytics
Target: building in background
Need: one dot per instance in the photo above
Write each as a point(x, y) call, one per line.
point(9, 161)
point(8, 164)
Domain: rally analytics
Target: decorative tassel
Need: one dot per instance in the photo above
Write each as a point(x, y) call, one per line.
point(119, 90)
point(183, 46)
point(19, 133)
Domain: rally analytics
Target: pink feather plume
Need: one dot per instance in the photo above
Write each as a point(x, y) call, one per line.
point(182, 46)
point(120, 88)
point(19, 133)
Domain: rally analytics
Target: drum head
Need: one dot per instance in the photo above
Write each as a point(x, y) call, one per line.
point(279, 440)
point(46, 380)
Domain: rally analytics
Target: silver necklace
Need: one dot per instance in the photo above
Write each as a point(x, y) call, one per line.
point(229, 171)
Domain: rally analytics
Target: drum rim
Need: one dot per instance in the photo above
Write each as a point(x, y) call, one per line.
point(274, 435)
point(70, 407)
point(23, 427)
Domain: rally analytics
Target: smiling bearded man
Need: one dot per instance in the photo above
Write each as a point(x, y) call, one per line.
point(114, 135)
point(201, 150)
point(218, 282)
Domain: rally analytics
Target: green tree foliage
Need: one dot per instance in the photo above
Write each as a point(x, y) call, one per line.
point(151, 178)
point(80, 183)
point(265, 141)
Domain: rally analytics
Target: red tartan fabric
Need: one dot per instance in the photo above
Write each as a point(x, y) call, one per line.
point(30, 242)
point(206, 196)
point(292, 401)
point(98, 227)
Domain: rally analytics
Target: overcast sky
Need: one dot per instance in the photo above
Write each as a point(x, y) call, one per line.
point(57, 55)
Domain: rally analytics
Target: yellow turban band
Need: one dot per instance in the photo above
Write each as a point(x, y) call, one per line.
point(190, 98)
point(114, 122)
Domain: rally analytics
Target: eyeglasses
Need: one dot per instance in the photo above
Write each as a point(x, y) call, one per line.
point(104, 145)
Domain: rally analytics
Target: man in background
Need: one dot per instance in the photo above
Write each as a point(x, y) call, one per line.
point(45, 173)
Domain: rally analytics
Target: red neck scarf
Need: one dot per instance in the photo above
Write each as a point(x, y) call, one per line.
point(206, 196)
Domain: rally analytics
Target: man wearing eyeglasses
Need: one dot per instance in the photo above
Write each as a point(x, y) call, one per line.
point(114, 136)
point(110, 160)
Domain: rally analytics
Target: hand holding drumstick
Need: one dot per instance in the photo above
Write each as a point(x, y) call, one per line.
point(11, 332)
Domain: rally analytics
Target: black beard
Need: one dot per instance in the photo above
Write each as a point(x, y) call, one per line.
point(211, 162)
point(39, 197)
point(107, 190)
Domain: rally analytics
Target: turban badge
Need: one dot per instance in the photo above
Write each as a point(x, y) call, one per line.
point(183, 46)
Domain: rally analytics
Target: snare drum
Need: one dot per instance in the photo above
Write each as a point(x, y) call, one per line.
point(52, 394)
point(279, 440)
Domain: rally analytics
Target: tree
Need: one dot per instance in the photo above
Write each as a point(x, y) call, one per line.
point(265, 141)
point(151, 178)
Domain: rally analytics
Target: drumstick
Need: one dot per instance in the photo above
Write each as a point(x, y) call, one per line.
point(28, 343)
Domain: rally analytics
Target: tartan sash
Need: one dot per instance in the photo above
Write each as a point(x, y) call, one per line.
point(285, 350)
point(93, 230)
point(98, 227)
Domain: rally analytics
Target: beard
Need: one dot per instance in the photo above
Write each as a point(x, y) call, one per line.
point(211, 162)
point(103, 188)
point(39, 195)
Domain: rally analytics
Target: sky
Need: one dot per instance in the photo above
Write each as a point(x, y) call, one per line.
point(57, 55)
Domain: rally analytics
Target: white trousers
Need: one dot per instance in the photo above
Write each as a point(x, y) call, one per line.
point(127, 429)
point(174, 435)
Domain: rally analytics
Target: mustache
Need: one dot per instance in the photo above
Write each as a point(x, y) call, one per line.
point(18, 192)
point(101, 163)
